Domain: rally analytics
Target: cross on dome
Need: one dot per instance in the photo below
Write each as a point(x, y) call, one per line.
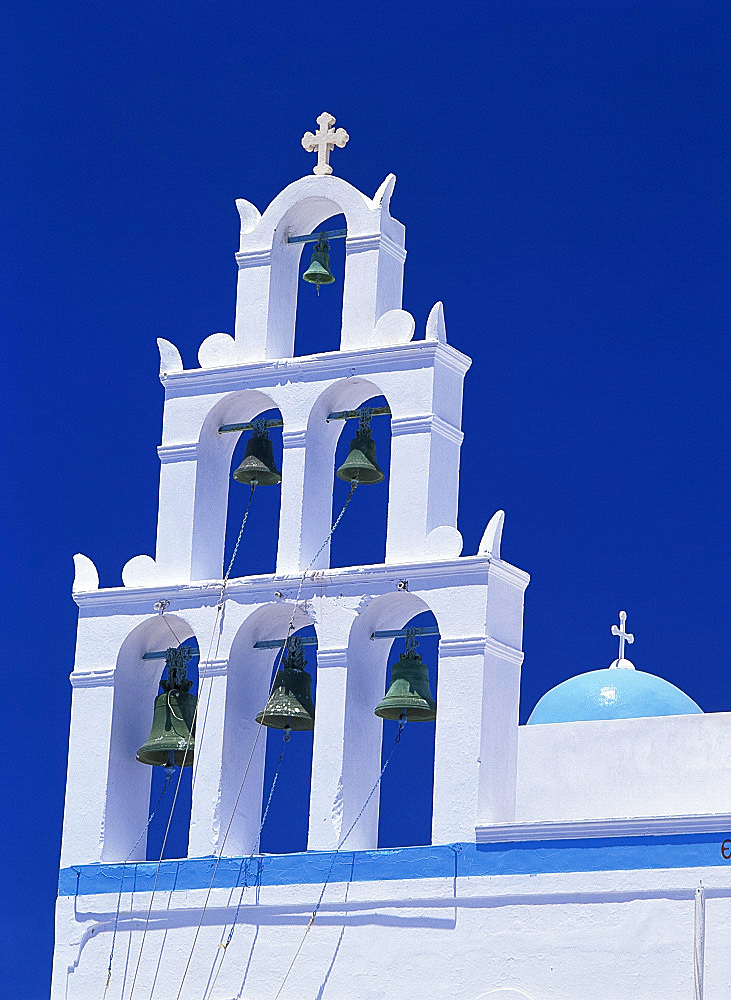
point(324, 141)
point(624, 636)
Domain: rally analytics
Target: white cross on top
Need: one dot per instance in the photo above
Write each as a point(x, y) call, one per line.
point(324, 141)
point(624, 635)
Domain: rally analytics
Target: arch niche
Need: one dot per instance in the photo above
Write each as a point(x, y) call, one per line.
point(322, 440)
point(366, 681)
point(269, 266)
point(136, 683)
point(247, 690)
point(213, 477)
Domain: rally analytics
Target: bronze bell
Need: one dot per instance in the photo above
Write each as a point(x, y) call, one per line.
point(172, 738)
point(361, 462)
point(409, 694)
point(258, 463)
point(319, 273)
point(290, 703)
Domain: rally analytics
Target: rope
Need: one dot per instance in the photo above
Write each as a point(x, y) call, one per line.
point(352, 826)
point(699, 940)
point(219, 609)
point(290, 629)
point(168, 777)
point(224, 944)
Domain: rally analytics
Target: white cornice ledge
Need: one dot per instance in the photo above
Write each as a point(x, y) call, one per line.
point(477, 645)
point(318, 367)
point(253, 258)
point(360, 244)
point(332, 658)
point(294, 439)
point(212, 668)
point(424, 424)
point(577, 829)
point(423, 575)
point(177, 452)
point(511, 574)
point(92, 678)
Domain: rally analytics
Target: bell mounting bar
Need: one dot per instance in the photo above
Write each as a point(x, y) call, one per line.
point(160, 654)
point(225, 428)
point(376, 411)
point(334, 234)
point(278, 643)
point(373, 411)
point(403, 633)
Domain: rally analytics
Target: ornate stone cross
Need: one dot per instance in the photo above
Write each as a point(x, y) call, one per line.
point(624, 636)
point(324, 141)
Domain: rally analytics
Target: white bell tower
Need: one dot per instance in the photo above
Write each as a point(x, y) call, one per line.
point(476, 599)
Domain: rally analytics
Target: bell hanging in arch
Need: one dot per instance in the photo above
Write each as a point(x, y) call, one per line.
point(258, 463)
point(290, 703)
point(361, 462)
point(319, 273)
point(409, 694)
point(172, 738)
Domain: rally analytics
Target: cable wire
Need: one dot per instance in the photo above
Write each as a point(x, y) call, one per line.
point(224, 944)
point(168, 778)
point(318, 904)
point(290, 629)
point(219, 609)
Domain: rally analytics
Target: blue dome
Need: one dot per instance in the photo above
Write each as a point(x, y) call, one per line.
point(613, 693)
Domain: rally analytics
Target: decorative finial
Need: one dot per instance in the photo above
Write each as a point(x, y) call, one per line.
point(324, 141)
point(624, 636)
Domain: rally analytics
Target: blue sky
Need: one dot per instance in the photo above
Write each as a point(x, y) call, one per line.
point(561, 171)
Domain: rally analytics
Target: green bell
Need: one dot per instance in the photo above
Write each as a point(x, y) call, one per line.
point(409, 694)
point(290, 703)
point(361, 462)
point(172, 737)
point(319, 273)
point(258, 463)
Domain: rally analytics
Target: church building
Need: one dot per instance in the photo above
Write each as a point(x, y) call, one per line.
point(582, 856)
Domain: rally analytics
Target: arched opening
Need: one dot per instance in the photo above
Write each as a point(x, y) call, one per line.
point(252, 661)
point(319, 316)
point(364, 739)
point(163, 789)
point(220, 502)
point(287, 821)
point(407, 786)
point(136, 685)
point(363, 538)
point(257, 552)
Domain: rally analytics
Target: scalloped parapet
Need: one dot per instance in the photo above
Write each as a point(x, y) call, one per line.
point(444, 542)
point(143, 571)
point(270, 266)
point(492, 537)
point(436, 328)
point(395, 327)
point(218, 351)
point(170, 360)
point(86, 575)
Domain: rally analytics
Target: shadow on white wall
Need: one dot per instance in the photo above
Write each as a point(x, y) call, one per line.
point(505, 993)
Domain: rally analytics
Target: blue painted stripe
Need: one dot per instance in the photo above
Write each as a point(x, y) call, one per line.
point(311, 868)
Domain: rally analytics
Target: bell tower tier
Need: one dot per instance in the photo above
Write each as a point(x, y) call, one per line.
point(240, 626)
